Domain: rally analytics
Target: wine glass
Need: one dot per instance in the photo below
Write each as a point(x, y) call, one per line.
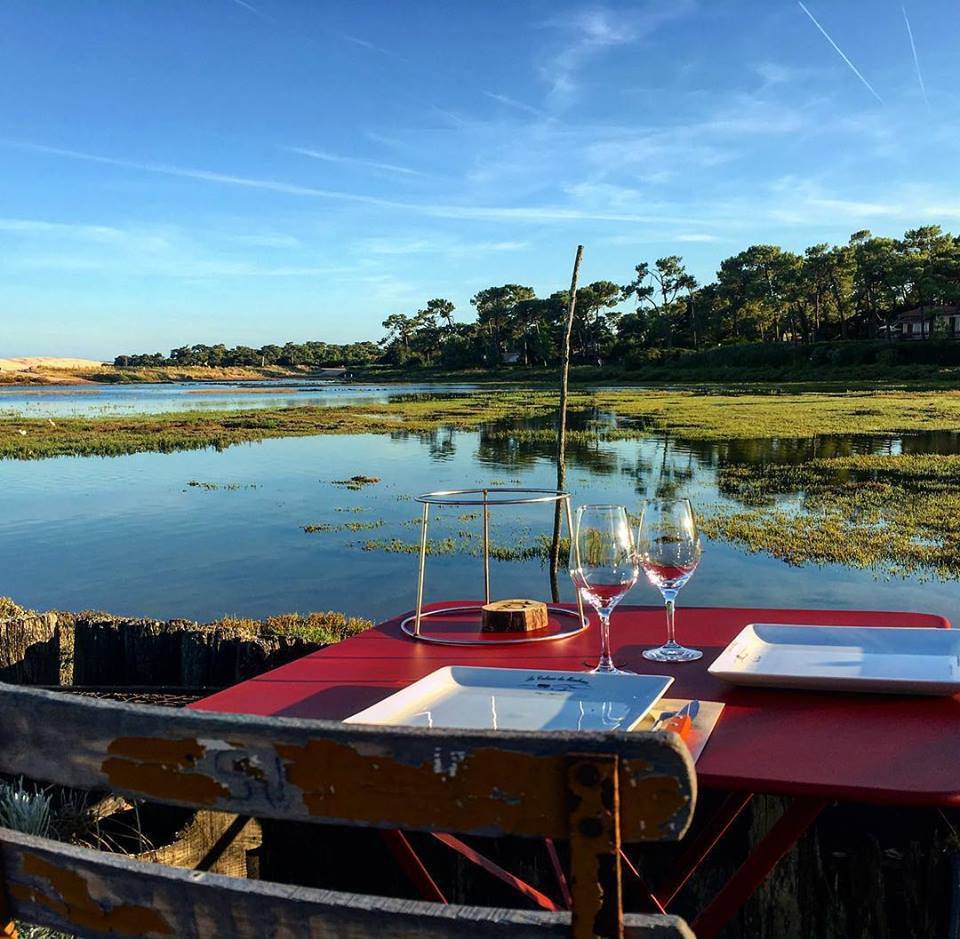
point(668, 548)
point(603, 567)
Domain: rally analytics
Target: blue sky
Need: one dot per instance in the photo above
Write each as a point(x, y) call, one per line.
point(177, 171)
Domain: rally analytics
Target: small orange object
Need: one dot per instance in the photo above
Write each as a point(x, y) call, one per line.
point(679, 725)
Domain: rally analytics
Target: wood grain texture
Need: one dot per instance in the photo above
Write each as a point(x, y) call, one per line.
point(212, 841)
point(513, 616)
point(92, 894)
point(486, 783)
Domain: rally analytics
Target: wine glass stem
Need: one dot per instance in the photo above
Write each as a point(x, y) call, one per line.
point(606, 659)
point(669, 596)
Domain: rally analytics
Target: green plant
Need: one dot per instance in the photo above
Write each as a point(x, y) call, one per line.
point(25, 808)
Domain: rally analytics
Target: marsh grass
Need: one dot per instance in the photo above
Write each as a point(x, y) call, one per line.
point(322, 628)
point(467, 545)
point(9, 609)
point(712, 414)
point(226, 487)
point(356, 482)
point(898, 514)
point(28, 438)
point(344, 526)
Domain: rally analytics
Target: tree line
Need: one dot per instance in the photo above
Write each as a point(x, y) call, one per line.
point(764, 294)
point(314, 354)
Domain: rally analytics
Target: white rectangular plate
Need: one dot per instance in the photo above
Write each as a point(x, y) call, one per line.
point(470, 698)
point(851, 658)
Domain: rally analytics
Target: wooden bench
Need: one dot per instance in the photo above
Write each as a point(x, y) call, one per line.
point(594, 790)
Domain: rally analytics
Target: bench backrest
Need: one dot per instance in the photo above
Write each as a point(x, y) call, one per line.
point(593, 789)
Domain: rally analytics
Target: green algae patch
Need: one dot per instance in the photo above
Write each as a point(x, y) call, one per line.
point(898, 514)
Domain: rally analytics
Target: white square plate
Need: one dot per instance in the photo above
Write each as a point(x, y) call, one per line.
point(470, 698)
point(851, 658)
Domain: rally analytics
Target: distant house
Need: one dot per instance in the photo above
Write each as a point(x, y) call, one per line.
point(511, 358)
point(915, 324)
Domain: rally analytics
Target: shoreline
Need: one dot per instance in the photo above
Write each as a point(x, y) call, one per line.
point(698, 413)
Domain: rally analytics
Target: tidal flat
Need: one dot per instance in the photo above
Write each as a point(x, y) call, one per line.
point(704, 414)
point(806, 498)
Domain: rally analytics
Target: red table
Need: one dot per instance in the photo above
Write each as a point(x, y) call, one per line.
point(816, 747)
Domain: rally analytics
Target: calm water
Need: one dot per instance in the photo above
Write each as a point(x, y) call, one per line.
point(130, 535)
point(105, 400)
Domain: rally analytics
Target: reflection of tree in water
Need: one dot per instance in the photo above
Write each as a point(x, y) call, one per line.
point(441, 443)
point(665, 473)
point(516, 443)
point(793, 450)
point(663, 466)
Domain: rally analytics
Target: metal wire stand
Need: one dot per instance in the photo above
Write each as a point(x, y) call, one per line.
point(412, 625)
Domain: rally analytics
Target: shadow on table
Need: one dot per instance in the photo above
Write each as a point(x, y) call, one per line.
point(336, 703)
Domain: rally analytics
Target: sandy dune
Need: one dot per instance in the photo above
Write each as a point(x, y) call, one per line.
point(38, 362)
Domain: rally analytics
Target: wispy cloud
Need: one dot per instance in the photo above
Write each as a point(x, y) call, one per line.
point(590, 31)
point(354, 161)
point(371, 46)
point(916, 58)
point(450, 247)
point(264, 240)
point(250, 8)
point(698, 236)
point(778, 73)
point(168, 169)
point(517, 105)
point(97, 233)
point(840, 52)
point(536, 213)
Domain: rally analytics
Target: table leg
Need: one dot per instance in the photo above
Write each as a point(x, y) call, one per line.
point(410, 863)
point(649, 895)
point(475, 857)
point(695, 850)
point(558, 872)
point(754, 870)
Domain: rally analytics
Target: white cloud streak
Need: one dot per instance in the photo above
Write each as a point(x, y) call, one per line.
point(840, 52)
point(250, 8)
point(452, 248)
point(354, 161)
point(916, 58)
point(517, 105)
point(542, 213)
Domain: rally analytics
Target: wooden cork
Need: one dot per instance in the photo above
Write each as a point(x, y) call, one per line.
point(514, 616)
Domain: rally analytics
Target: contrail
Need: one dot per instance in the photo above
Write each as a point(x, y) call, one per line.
point(916, 58)
point(840, 52)
point(254, 10)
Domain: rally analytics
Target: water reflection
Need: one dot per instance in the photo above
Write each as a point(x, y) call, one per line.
point(131, 535)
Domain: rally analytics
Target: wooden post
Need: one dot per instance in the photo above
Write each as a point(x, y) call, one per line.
point(562, 426)
point(595, 883)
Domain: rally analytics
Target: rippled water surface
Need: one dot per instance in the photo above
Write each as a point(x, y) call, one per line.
point(131, 535)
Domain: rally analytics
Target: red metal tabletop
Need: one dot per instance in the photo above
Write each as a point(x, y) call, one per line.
point(855, 747)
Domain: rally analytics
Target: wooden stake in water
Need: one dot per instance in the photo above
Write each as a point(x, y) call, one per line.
point(562, 426)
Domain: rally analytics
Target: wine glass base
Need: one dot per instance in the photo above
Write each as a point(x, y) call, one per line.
point(672, 652)
point(611, 671)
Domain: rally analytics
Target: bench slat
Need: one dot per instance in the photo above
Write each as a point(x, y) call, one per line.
point(93, 894)
point(479, 782)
